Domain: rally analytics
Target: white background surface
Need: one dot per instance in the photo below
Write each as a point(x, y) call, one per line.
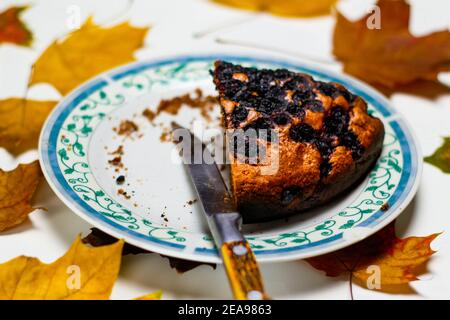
point(47, 235)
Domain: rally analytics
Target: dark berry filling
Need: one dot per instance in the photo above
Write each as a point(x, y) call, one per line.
point(289, 194)
point(303, 133)
point(296, 110)
point(350, 140)
point(239, 114)
point(336, 122)
point(248, 147)
point(267, 106)
point(283, 74)
point(325, 147)
point(333, 91)
point(325, 168)
point(299, 97)
point(327, 89)
point(314, 105)
point(281, 119)
point(335, 132)
point(298, 82)
point(266, 90)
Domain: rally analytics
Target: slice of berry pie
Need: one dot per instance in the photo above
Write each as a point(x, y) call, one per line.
point(313, 139)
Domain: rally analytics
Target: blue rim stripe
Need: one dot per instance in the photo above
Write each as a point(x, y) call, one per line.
point(50, 155)
point(334, 238)
point(79, 96)
point(405, 180)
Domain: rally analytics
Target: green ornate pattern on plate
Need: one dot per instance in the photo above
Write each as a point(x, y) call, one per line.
point(74, 138)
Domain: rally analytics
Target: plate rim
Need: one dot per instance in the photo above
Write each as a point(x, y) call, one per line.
point(131, 237)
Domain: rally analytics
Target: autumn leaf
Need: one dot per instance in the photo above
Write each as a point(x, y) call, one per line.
point(21, 123)
point(82, 273)
point(397, 259)
point(441, 157)
point(85, 53)
point(99, 238)
point(390, 56)
point(16, 190)
point(430, 89)
point(12, 29)
point(157, 295)
point(289, 8)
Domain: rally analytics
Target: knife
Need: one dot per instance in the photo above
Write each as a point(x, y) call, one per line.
point(223, 219)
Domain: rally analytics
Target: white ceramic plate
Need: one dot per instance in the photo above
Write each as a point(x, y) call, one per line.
point(77, 139)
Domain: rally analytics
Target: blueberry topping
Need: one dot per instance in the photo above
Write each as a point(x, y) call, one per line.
point(262, 126)
point(289, 194)
point(239, 114)
point(278, 96)
point(336, 122)
point(281, 118)
point(350, 140)
point(314, 105)
point(248, 147)
point(327, 89)
point(303, 133)
point(295, 110)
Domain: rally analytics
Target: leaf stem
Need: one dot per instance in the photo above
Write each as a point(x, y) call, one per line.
point(350, 284)
point(224, 25)
point(324, 60)
point(124, 11)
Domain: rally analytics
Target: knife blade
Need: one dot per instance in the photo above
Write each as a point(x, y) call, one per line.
point(223, 219)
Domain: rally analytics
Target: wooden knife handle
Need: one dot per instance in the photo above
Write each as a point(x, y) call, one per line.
point(243, 271)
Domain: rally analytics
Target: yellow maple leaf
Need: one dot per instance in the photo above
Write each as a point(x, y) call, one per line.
point(86, 52)
point(16, 190)
point(21, 123)
point(289, 8)
point(82, 273)
point(151, 296)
